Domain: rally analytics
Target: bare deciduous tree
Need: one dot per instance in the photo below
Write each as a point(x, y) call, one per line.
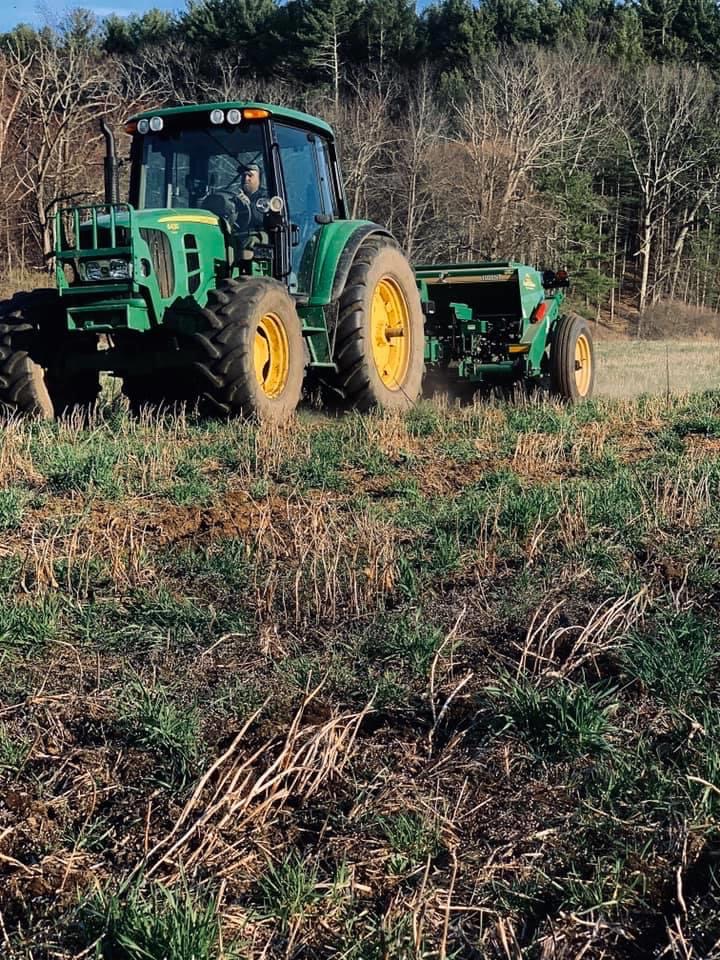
point(524, 115)
point(416, 159)
point(66, 90)
point(661, 113)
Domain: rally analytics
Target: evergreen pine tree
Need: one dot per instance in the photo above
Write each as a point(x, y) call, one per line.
point(125, 35)
point(512, 21)
point(386, 33)
point(325, 37)
point(456, 35)
point(627, 41)
point(658, 19)
point(243, 26)
point(698, 26)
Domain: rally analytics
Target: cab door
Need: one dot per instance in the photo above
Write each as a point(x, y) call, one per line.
point(309, 195)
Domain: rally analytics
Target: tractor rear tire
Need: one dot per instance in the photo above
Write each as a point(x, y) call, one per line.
point(380, 342)
point(572, 360)
point(25, 386)
point(251, 356)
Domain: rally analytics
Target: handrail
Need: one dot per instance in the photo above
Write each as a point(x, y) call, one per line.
point(90, 215)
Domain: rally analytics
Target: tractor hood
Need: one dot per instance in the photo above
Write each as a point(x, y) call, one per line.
point(151, 259)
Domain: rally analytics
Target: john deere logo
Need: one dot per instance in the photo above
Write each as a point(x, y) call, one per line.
point(528, 282)
point(174, 227)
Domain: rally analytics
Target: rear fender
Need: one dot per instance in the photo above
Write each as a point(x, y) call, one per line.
point(339, 243)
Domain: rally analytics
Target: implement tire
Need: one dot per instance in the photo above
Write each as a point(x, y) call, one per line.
point(251, 355)
point(380, 343)
point(572, 360)
point(26, 386)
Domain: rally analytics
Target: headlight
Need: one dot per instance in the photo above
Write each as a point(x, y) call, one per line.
point(234, 116)
point(143, 126)
point(216, 116)
point(156, 124)
point(104, 269)
point(90, 270)
point(119, 269)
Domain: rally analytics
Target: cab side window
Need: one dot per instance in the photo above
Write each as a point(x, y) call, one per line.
point(328, 188)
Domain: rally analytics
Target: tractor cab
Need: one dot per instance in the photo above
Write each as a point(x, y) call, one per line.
point(269, 174)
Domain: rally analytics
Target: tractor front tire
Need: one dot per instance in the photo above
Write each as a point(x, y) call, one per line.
point(251, 356)
point(25, 386)
point(572, 360)
point(380, 343)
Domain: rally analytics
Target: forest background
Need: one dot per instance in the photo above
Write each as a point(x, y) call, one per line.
point(573, 133)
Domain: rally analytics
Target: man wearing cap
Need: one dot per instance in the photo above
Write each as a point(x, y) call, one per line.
point(249, 195)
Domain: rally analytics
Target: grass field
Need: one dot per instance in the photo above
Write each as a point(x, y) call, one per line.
point(441, 685)
point(628, 368)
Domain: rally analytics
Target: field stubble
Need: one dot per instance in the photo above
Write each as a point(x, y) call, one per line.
point(431, 686)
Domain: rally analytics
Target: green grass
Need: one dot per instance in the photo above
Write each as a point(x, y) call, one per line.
point(408, 640)
point(288, 890)
point(26, 627)
point(14, 751)
point(558, 721)
point(226, 561)
point(149, 620)
point(154, 924)
point(412, 838)
point(675, 658)
point(87, 466)
point(153, 721)
point(321, 467)
point(12, 508)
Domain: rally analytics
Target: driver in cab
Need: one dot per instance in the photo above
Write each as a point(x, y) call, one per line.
point(251, 192)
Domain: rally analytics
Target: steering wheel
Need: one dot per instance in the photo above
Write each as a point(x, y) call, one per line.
point(225, 204)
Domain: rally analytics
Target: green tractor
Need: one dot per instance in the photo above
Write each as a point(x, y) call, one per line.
point(233, 277)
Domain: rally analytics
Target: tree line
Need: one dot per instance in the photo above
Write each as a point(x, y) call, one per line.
point(576, 133)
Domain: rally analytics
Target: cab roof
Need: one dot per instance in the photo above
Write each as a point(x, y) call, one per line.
point(282, 113)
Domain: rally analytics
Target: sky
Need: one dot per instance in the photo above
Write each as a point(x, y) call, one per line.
point(38, 12)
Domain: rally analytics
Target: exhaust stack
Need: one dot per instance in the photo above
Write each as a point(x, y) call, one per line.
point(110, 165)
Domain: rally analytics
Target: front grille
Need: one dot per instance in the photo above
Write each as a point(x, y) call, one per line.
point(192, 261)
point(161, 258)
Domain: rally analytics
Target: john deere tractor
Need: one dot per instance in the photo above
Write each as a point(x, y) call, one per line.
point(233, 275)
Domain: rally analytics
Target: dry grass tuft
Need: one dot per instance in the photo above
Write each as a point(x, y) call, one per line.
point(244, 790)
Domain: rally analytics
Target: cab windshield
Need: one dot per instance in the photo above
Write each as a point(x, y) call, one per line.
point(204, 168)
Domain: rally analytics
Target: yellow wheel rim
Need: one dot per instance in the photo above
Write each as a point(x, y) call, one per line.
point(583, 365)
point(272, 355)
point(390, 333)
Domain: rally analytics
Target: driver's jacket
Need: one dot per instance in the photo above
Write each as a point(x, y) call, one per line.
point(257, 217)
